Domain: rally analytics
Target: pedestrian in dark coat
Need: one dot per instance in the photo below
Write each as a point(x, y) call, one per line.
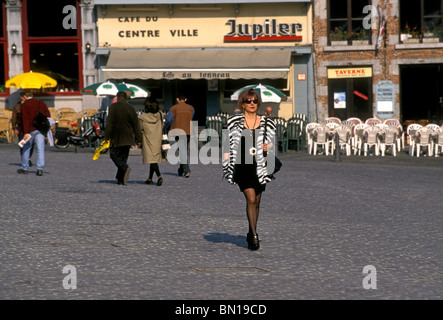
point(123, 130)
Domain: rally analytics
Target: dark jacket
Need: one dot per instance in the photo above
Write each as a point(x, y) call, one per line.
point(29, 110)
point(122, 126)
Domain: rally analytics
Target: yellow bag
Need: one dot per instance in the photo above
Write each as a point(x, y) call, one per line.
point(105, 144)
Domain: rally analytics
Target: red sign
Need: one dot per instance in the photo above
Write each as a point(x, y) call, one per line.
point(361, 95)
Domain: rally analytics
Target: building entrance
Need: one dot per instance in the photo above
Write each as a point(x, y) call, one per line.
point(421, 93)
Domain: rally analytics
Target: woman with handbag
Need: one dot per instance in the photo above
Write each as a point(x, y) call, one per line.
point(151, 125)
point(246, 163)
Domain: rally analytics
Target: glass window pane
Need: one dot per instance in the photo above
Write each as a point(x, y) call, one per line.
point(338, 9)
point(409, 14)
point(432, 25)
point(49, 27)
point(1, 21)
point(339, 31)
point(432, 8)
point(357, 8)
point(57, 60)
point(358, 32)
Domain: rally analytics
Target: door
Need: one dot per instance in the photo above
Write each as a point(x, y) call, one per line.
point(421, 92)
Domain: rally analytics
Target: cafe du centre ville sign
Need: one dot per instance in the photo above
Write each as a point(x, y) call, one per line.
point(118, 28)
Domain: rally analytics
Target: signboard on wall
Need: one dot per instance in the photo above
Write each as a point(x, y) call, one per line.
point(385, 99)
point(156, 26)
point(343, 73)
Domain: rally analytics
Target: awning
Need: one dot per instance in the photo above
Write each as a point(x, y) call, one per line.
point(198, 64)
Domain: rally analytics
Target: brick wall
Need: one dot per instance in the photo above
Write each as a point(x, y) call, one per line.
point(385, 63)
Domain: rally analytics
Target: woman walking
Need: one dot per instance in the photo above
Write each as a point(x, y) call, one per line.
point(151, 125)
point(245, 164)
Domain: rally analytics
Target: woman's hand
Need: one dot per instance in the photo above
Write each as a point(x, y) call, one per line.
point(265, 147)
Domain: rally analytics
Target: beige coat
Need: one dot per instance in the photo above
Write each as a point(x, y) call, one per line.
point(151, 127)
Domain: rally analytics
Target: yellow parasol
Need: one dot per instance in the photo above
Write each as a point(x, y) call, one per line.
point(31, 80)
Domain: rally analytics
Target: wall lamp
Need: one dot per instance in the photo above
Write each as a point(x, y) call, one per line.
point(14, 48)
point(88, 47)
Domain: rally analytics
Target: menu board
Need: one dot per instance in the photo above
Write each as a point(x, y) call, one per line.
point(385, 99)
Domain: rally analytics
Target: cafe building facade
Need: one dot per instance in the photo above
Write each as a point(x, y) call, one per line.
point(208, 49)
point(379, 58)
point(53, 37)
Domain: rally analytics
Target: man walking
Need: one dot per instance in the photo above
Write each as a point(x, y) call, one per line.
point(123, 130)
point(16, 120)
point(180, 117)
point(29, 110)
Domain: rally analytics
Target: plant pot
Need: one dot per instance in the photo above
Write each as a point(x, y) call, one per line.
point(431, 40)
point(414, 40)
point(360, 42)
point(339, 43)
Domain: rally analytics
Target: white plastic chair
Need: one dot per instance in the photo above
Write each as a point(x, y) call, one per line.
point(439, 142)
point(433, 127)
point(355, 120)
point(309, 134)
point(332, 125)
point(334, 119)
point(344, 138)
point(321, 137)
point(370, 134)
point(411, 131)
point(358, 137)
point(372, 121)
point(424, 140)
point(388, 138)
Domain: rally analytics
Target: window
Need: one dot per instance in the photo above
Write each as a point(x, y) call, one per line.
point(52, 48)
point(345, 20)
point(350, 96)
point(421, 19)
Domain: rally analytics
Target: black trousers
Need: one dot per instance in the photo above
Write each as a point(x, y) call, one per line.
point(119, 155)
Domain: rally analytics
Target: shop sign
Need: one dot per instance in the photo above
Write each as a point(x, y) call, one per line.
point(385, 99)
point(270, 30)
point(191, 75)
point(343, 73)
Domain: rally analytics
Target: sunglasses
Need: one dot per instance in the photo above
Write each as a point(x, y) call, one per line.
point(248, 101)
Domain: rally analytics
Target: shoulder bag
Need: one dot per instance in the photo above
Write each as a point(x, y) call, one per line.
point(165, 142)
point(41, 122)
point(277, 162)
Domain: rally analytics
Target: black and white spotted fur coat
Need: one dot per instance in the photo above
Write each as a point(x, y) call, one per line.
point(235, 126)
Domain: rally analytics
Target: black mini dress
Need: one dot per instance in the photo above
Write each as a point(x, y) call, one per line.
point(245, 172)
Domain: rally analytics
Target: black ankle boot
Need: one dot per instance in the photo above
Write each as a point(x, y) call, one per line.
point(253, 241)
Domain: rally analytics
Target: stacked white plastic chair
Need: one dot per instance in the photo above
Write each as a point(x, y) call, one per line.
point(334, 119)
point(411, 131)
point(344, 138)
point(370, 134)
point(373, 121)
point(388, 138)
point(359, 137)
point(310, 134)
point(321, 137)
point(401, 135)
point(439, 141)
point(424, 140)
